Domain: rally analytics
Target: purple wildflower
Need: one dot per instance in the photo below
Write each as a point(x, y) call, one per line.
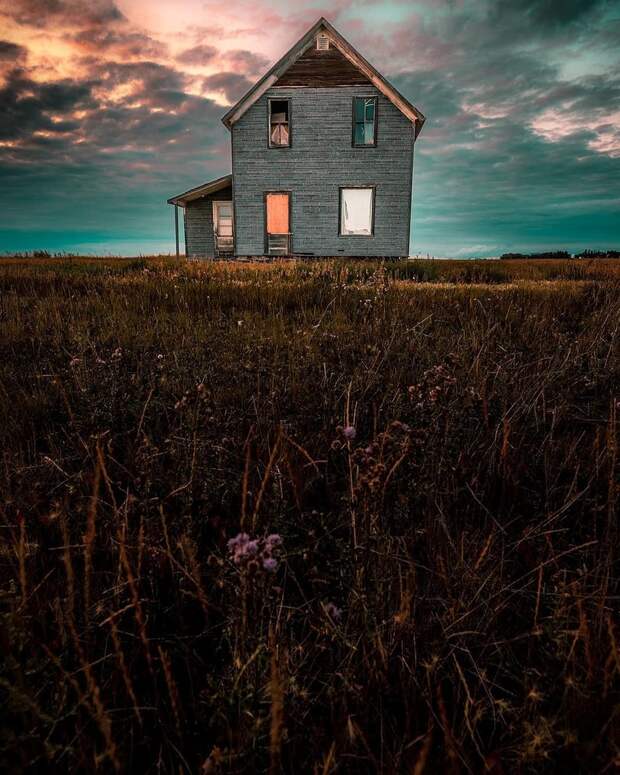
point(239, 540)
point(349, 432)
point(270, 564)
point(238, 547)
point(272, 541)
point(249, 552)
point(334, 613)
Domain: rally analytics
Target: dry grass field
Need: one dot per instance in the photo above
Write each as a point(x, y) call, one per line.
point(319, 517)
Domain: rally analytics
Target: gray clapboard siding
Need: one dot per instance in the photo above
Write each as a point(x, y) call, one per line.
point(199, 238)
point(320, 160)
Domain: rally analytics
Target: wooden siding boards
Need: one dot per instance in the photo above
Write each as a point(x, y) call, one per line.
point(320, 162)
point(322, 69)
point(199, 238)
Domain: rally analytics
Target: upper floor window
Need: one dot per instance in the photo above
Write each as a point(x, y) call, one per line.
point(279, 123)
point(364, 121)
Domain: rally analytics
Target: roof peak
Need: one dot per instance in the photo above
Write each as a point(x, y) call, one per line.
point(306, 40)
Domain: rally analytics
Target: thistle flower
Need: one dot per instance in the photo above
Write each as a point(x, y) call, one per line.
point(272, 541)
point(237, 547)
point(334, 613)
point(249, 552)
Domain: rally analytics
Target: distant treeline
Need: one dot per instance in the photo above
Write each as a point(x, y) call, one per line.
point(565, 254)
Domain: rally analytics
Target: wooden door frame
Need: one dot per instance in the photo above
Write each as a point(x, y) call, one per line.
point(215, 203)
point(289, 194)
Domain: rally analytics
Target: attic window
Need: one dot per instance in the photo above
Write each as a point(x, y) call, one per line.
point(279, 123)
point(322, 43)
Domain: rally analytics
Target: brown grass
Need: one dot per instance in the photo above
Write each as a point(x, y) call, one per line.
point(435, 443)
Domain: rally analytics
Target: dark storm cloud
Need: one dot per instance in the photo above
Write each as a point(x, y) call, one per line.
point(119, 43)
point(197, 55)
point(231, 85)
point(40, 13)
point(152, 76)
point(546, 14)
point(246, 62)
point(26, 106)
point(12, 52)
point(154, 114)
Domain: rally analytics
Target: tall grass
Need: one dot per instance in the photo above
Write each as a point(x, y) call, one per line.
point(426, 469)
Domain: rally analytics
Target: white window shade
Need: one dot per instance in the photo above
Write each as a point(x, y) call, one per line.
point(279, 134)
point(356, 215)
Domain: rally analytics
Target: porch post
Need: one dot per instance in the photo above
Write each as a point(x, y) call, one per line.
point(176, 227)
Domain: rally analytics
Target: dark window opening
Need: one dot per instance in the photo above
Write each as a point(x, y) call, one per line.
point(364, 121)
point(279, 124)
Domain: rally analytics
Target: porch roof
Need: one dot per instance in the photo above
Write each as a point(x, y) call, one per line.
point(202, 190)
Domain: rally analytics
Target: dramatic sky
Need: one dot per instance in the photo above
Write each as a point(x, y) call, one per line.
point(108, 107)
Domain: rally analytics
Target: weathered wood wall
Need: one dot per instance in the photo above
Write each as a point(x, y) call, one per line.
point(320, 160)
point(321, 69)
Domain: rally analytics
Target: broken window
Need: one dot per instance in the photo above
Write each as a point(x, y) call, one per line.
point(364, 121)
point(357, 211)
point(279, 123)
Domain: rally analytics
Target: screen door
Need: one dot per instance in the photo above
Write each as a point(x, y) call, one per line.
point(223, 227)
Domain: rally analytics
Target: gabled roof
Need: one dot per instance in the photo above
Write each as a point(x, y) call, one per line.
point(206, 188)
point(302, 45)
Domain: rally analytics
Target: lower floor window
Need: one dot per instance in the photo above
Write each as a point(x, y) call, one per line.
point(357, 211)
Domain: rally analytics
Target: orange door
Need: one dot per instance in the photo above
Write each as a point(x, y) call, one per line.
point(278, 216)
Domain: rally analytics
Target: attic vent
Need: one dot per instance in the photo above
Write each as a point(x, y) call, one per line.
point(322, 43)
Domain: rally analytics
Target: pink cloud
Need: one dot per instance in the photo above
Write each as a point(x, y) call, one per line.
point(556, 124)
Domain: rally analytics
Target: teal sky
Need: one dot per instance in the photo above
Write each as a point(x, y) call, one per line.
point(108, 108)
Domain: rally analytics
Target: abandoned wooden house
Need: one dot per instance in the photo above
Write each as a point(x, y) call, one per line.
point(322, 162)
